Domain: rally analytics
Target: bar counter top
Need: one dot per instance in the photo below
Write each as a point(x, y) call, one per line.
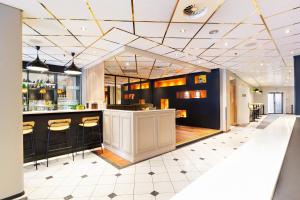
point(58, 111)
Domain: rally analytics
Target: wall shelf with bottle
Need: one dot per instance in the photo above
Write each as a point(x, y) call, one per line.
point(192, 94)
point(49, 91)
point(170, 82)
point(200, 79)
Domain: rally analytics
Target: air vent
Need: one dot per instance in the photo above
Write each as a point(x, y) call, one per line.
point(195, 11)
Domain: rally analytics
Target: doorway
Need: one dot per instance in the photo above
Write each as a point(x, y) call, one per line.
point(275, 102)
point(233, 112)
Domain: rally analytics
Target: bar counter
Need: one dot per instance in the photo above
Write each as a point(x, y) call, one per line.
point(41, 131)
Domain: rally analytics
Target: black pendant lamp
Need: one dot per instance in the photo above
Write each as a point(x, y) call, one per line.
point(73, 69)
point(37, 64)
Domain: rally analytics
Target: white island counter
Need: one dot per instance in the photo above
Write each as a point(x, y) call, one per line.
point(138, 135)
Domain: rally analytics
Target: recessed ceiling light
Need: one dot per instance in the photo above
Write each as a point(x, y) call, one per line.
point(212, 32)
point(83, 28)
point(287, 31)
point(261, 64)
point(226, 44)
point(292, 52)
point(127, 63)
point(182, 30)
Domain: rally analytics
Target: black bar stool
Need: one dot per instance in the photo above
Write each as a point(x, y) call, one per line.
point(59, 126)
point(28, 130)
point(89, 123)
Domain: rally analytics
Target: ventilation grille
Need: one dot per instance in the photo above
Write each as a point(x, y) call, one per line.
point(194, 11)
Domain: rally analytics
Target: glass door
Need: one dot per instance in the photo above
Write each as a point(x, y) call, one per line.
point(275, 103)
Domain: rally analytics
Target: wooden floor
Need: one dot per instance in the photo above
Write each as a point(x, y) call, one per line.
point(184, 135)
point(187, 134)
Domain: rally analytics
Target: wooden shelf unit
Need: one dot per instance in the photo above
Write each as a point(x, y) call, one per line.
point(200, 79)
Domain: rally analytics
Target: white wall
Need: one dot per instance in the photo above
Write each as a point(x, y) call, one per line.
point(93, 85)
point(243, 98)
point(288, 97)
point(11, 142)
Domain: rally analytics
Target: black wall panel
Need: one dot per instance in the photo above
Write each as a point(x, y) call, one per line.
point(297, 84)
point(200, 112)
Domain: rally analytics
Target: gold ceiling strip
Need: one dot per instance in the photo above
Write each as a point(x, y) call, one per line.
point(282, 12)
point(60, 22)
point(173, 13)
point(152, 69)
point(206, 21)
point(132, 15)
point(94, 16)
point(267, 28)
point(119, 65)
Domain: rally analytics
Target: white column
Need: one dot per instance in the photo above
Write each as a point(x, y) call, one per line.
point(11, 138)
point(93, 85)
point(224, 100)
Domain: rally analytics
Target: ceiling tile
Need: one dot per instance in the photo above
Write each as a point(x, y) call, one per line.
point(201, 43)
point(284, 19)
point(144, 9)
point(46, 27)
point(107, 25)
point(82, 27)
point(142, 43)
point(106, 45)
point(176, 42)
point(221, 28)
point(119, 36)
point(161, 49)
point(147, 29)
point(60, 9)
point(111, 10)
point(233, 11)
point(87, 40)
point(276, 6)
point(36, 41)
point(183, 30)
point(95, 52)
point(64, 40)
point(28, 31)
point(213, 52)
point(244, 31)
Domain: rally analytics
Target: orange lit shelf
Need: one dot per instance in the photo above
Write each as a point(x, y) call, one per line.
point(128, 96)
point(164, 104)
point(192, 94)
point(142, 101)
point(138, 86)
point(200, 79)
point(170, 82)
point(125, 88)
point(181, 114)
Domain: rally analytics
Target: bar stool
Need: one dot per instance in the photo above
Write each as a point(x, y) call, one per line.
point(59, 126)
point(89, 122)
point(28, 129)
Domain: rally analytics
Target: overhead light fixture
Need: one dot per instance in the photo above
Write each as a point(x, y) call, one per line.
point(182, 30)
point(261, 64)
point(73, 69)
point(226, 44)
point(37, 64)
point(195, 11)
point(212, 32)
point(287, 31)
point(127, 63)
point(83, 28)
point(292, 52)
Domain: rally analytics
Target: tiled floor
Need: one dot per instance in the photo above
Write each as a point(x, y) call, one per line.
point(155, 179)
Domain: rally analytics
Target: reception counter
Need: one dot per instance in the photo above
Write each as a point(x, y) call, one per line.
point(138, 135)
point(41, 129)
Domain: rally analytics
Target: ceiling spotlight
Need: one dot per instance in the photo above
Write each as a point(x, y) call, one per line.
point(127, 63)
point(226, 44)
point(182, 30)
point(292, 52)
point(287, 31)
point(261, 64)
point(212, 32)
point(83, 28)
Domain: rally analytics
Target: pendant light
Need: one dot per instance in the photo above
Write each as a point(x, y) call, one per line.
point(37, 64)
point(73, 69)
